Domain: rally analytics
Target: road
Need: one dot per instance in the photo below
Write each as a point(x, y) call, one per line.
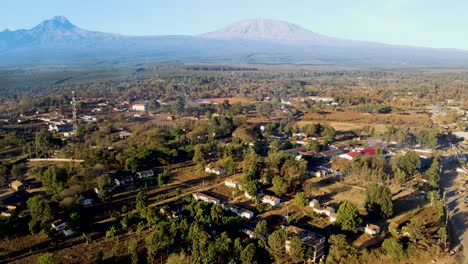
point(457, 210)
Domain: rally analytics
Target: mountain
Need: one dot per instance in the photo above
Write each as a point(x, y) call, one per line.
point(267, 30)
point(52, 33)
point(255, 41)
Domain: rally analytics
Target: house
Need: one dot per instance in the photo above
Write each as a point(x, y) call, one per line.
point(248, 231)
point(328, 154)
point(372, 229)
point(123, 134)
point(88, 118)
point(248, 196)
point(232, 184)
point(317, 172)
point(321, 99)
point(239, 211)
point(217, 171)
point(123, 180)
point(58, 224)
point(15, 200)
point(295, 151)
point(67, 231)
point(87, 201)
point(60, 127)
point(140, 107)
point(145, 174)
point(279, 137)
point(350, 155)
point(271, 200)
point(314, 203)
point(17, 186)
point(333, 217)
point(314, 242)
point(205, 198)
point(325, 211)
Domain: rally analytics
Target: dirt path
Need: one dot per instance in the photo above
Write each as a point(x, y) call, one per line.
point(457, 210)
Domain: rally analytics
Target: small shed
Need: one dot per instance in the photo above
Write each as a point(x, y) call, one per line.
point(17, 186)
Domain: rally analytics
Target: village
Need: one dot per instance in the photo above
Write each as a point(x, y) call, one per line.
point(304, 198)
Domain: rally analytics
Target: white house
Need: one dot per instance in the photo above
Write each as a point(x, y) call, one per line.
point(140, 107)
point(333, 217)
point(145, 174)
point(314, 203)
point(239, 211)
point(325, 211)
point(87, 201)
point(248, 232)
point(232, 184)
point(205, 198)
point(271, 200)
point(58, 224)
point(216, 171)
point(248, 196)
point(372, 229)
point(67, 231)
point(123, 180)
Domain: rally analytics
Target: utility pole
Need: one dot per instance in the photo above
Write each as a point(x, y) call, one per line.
point(446, 208)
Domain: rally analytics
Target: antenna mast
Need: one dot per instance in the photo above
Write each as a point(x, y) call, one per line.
point(74, 110)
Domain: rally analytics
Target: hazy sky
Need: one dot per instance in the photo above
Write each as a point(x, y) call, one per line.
point(431, 23)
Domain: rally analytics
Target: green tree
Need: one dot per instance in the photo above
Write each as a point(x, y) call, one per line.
point(432, 174)
point(229, 165)
point(261, 230)
point(156, 242)
point(296, 250)
point(54, 178)
point(248, 254)
point(348, 217)
point(46, 258)
point(142, 203)
point(3, 174)
point(340, 249)
point(393, 247)
point(276, 242)
point(180, 258)
point(442, 233)
point(198, 155)
point(313, 145)
point(406, 165)
point(103, 185)
point(301, 199)
point(164, 177)
point(415, 229)
point(40, 211)
point(280, 186)
point(328, 135)
point(17, 172)
point(378, 200)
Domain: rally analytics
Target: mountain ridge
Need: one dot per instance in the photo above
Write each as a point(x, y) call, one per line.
point(246, 41)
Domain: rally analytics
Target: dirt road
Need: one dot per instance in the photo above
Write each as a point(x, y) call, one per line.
point(457, 209)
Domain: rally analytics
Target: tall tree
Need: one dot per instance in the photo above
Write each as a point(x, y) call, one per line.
point(276, 242)
point(340, 249)
point(378, 200)
point(393, 247)
point(280, 186)
point(348, 217)
point(248, 254)
point(296, 250)
point(40, 211)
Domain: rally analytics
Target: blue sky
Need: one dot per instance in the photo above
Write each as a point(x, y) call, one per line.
point(430, 23)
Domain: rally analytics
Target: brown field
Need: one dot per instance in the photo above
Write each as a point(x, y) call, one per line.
point(231, 100)
point(369, 119)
